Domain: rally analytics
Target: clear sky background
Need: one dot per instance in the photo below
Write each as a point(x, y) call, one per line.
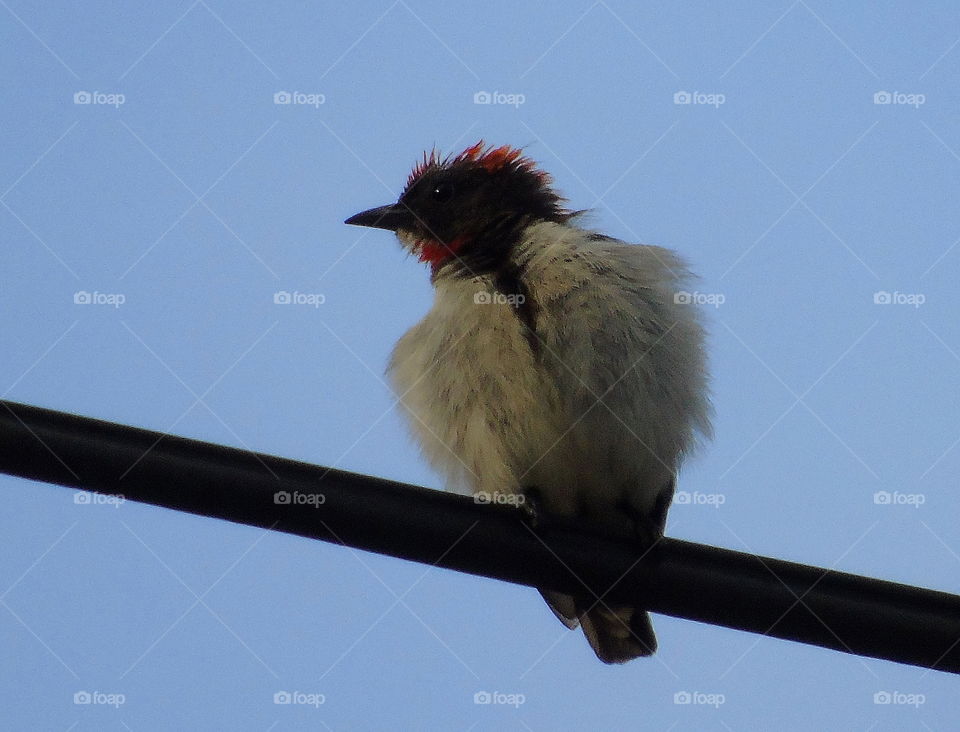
point(183, 205)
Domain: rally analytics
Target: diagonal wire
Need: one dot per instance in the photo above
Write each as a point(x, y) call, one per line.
point(199, 399)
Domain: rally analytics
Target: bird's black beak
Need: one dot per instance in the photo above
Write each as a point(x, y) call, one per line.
point(391, 217)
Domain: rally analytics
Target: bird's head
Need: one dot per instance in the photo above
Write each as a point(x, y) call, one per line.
point(468, 208)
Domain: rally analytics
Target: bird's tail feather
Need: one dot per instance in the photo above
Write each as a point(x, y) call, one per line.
point(616, 634)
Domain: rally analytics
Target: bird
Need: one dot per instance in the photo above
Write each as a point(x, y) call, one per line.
point(557, 366)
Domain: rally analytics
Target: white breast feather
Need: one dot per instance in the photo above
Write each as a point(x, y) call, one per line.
point(603, 411)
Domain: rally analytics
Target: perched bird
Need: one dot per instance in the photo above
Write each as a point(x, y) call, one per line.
point(556, 364)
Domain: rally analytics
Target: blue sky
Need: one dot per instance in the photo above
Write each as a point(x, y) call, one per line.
point(811, 179)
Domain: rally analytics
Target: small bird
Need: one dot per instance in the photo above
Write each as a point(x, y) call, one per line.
point(557, 365)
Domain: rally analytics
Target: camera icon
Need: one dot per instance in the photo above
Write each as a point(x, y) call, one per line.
point(882, 697)
point(682, 97)
point(682, 298)
point(281, 498)
point(482, 497)
point(82, 697)
point(882, 498)
point(682, 697)
point(82, 97)
point(882, 297)
point(282, 97)
point(82, 498)
point(482, 697)
point(283, 697)
point(482, 298)
point(882, 97)
point(82, 297)
point(682, 498)
point(482, 97)
point(282, 298)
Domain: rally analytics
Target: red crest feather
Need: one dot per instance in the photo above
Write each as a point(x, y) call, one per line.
point(490, 158)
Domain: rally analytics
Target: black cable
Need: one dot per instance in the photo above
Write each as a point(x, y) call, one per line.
point(811, 605)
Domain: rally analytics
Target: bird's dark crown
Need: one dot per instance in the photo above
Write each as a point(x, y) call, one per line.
point(474, 205)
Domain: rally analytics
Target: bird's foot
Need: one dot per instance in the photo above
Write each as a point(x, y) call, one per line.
point(647, 530)
point(532, 507)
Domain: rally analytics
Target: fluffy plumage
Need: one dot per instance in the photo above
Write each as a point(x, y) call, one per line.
point(553, 358)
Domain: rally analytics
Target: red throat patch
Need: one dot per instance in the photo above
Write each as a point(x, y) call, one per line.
point(436, 253)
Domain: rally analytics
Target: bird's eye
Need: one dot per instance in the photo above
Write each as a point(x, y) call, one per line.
point(442, 192)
